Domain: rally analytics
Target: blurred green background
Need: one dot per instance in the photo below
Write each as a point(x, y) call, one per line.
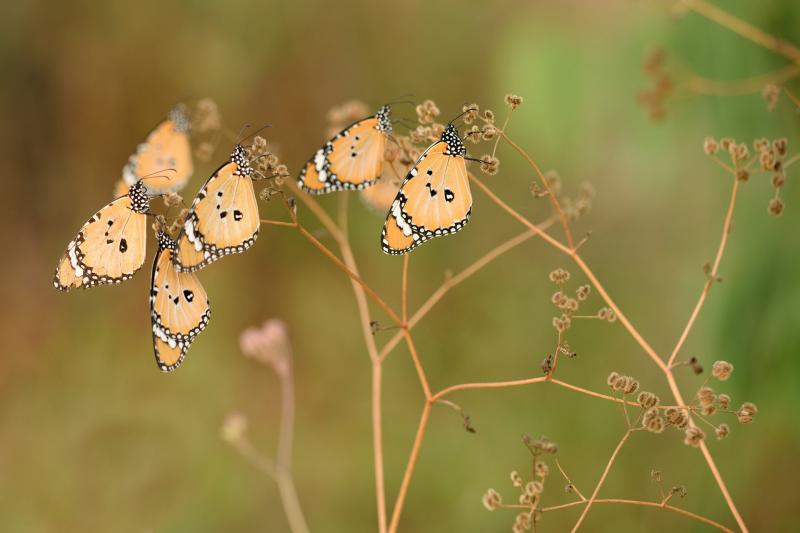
point(94, 438)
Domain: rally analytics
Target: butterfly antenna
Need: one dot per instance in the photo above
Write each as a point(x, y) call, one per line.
point(463, 113)
point(476, 160)
point(402, 99)
point(259, 130)
point(156, 174)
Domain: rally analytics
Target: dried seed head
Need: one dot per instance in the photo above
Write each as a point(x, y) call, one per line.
point(647, 400)
point(489, 133)
point(722, 431)
point(490, 164)
point(706, 396)
point(547, 364)
point(708, 410)
point(710, 146)
point(513, 101)
point(775, 207)
point(470, 113)
point(172, 198)
point(559, 276)
point(724, 401)
point(655, 425)
point(649, 415)
point(656, 475)
point(204, 151)
point(612, 378)
point(679, 490)
point(516, 479)
point(742, 152)
point(542, 470)
point(742, 175)
point(474, 134)
point(234, 427)
point(676, 417)
point(492, 500)
point(693, 436)
point(583, 292)
point(770, 95)
point(722, 370)
point(780, 146)
point(632, 386)
point(620, 383)
point(534, 487)
point(206, 116)
point(778, 181)
point(488, 116)
point(746, 413)
point(427, 112)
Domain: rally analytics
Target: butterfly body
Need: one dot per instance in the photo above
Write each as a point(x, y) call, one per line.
point(223, 219)
point(352, 160)
point(434, 199)
point(179, 307)
point(110, 247)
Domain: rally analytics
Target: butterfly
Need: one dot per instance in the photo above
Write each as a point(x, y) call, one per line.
point(353, 159)
point(223, 218)
point(110, 247)
point(167, 146)
point(179, 307)
point(434, 199)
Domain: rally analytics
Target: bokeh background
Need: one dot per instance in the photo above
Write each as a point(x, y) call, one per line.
point(94, 438)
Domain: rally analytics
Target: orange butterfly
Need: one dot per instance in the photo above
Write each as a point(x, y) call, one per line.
point(110, 247)
point(434, 199)
point(167, 146)
point(224, 217)
point(353, 159)
point(179, 307)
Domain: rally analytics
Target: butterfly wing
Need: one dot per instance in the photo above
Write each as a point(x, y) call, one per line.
point(434, 200)
point(353, 159)
point(179, 310)
point(166, 147)
point(187, 258)
point(223, 219)
point(109, 248)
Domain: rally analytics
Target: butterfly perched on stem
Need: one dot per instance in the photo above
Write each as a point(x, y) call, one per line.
point(433, 200)
point(166, 147)
point(179, 307)
point(110, 247)
point(224, 217)
point(352, 159)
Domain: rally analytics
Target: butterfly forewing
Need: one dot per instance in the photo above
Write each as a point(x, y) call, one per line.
point(179, 308)
point(353, 159)
point(434, 199)
point(167, 147)
point(224, 216)
point(110, 247)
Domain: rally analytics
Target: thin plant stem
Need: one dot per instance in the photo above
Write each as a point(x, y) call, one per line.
point(700, 85)
point(452, 281)
point(745, 29)
point(412, 461)
point(377, 370)
point(550, 194)
point(712, 276)
point(656, 505)
point(602, 480)
point(404, 290)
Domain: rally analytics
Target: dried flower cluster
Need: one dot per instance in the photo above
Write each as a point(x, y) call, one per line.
point(661, 88)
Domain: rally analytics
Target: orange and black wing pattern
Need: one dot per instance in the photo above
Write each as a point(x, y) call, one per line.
point(434, 199)
point(179, 307)
point(352, 160)
point(110, 247)
point(224, 217)
point(167, 147)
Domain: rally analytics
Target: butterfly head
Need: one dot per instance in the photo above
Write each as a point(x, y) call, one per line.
point(383, 117)
point(239, 156)
point(453, 139)
point(165, 242)
point(179, 117)
point(140, 201)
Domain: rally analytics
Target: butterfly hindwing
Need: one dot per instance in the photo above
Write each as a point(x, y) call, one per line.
point(434, 199)
point(224, 216)
point(110, 247)
point(167, 147)
point(179, 307)
point(353, 159)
